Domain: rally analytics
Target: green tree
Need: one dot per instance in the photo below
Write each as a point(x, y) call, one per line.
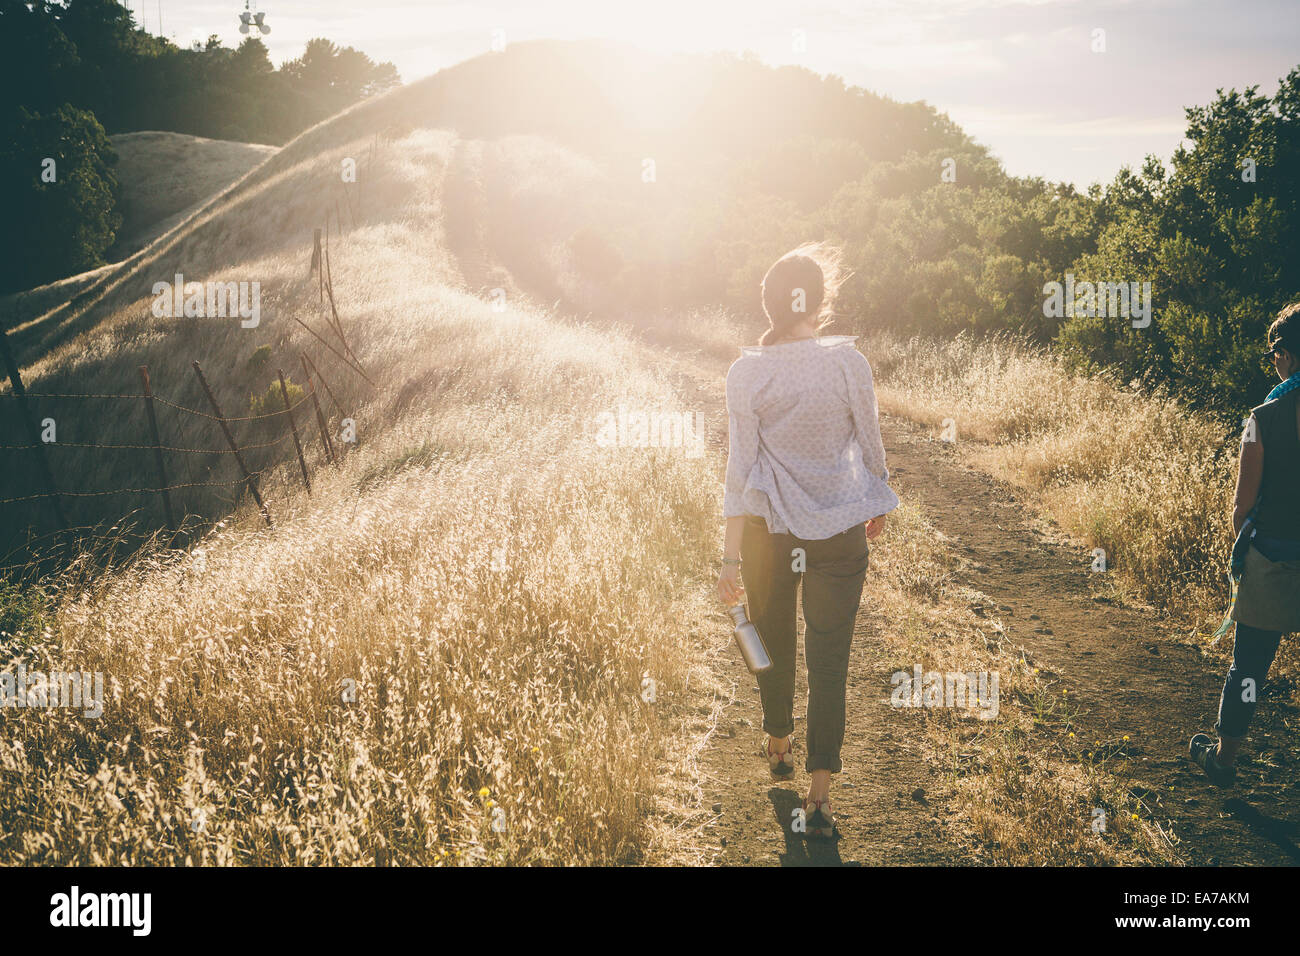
point(65, 224)
point(1218, 236)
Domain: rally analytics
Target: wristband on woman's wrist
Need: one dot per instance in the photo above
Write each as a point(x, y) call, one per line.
point(735, 561)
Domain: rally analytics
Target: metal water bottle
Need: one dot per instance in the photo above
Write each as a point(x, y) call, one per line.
point(750, 642)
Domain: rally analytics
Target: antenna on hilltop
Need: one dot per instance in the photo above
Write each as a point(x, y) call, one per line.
point(250, 18)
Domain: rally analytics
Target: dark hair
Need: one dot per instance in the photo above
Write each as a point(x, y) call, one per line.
point(812, 274)
point(1285, 330)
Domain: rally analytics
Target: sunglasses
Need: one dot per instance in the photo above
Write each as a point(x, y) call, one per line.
point(1277, 347)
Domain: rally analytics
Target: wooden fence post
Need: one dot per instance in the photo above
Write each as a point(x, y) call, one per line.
point(33, 433)
point(328, 391)
point(338, 323)
point(347, 197)
point(157, 449)
point(329, 294)
point(325, 251)
point(320, 416)
point(230, 439)
point(315, 251)
point(288, 410)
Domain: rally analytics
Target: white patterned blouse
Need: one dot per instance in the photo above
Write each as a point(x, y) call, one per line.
point(805, 452)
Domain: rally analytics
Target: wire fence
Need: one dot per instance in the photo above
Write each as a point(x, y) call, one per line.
point(175, 467)
point(178, 468)
point(173, 449)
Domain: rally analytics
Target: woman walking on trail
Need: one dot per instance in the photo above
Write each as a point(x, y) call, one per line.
point(806, 487)
point(1266, 517)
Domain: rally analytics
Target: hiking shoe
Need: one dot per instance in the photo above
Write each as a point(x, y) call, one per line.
point(819, 821)
point(781, 764)
point(1201, 749)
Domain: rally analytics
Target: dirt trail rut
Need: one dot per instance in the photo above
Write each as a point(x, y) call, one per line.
point(1126, 670)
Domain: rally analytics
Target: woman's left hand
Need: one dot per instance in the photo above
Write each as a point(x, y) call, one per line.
point(730, 591)
point(875, 526)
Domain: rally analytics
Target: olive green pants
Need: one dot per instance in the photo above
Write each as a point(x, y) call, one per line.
point(833, 572)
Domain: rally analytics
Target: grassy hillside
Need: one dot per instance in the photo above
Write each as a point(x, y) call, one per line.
point(1134, 473)
point(163, 176)
point(497, 588)
point(480, 609)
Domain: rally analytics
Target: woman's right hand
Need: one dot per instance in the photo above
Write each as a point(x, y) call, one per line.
point(730, 591)
point(875, 526)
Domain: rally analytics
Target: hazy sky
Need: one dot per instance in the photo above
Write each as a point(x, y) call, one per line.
point(1019, 75)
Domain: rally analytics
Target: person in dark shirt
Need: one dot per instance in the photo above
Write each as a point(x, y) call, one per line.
point(1267, 505)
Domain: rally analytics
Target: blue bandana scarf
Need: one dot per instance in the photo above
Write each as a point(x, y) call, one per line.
point(1281, 388)
point(1247, 529)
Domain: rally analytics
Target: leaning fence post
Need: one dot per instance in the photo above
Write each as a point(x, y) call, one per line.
point(34, 433)
point(328, 391)
point(347, 197)
point(338, 324)
point(230, 439)
point(288, 410)
point(325, 252)
point(157, 449)
point(315, 251)
point(320, 416)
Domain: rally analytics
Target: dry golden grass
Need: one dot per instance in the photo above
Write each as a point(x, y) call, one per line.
point(392, 277)
point(1032, 801)
point(1135, 474)
point(165, 175)
point(517, 606)
point(498, 587)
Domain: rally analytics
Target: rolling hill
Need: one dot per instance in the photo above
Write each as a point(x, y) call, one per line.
point(471, 179)
point(165, 176)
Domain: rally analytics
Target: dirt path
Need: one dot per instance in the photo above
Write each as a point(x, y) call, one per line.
point(881, 822)
point(1124, 670)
